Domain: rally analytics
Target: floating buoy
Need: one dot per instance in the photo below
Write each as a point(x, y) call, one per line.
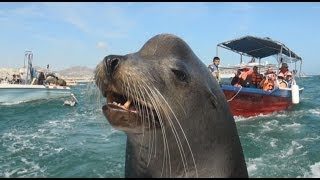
point(295, 93)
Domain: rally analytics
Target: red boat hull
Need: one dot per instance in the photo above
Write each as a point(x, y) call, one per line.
point(249, 104)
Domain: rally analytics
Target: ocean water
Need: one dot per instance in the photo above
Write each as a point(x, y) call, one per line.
point(43, 138)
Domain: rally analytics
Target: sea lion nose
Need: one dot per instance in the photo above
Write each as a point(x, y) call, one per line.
point(111, 63)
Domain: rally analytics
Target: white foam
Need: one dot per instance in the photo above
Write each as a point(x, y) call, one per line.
point(253, 163)
point(58, 149)
point(314, 111)
point(315, 171)
point(12, 103)
point(241, 118)
point(294, 125)
point(30, 167)
point(254, 137)
point(251, 168)
point(281, 114)
point(270, 125)
point(273, 142)
point(293, 148)
point(311, 138)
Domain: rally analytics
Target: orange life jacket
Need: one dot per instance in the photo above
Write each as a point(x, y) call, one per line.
point(267, 85)
point(256, 79)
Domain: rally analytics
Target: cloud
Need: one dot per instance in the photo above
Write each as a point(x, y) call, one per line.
point(102, 45)
point(100, 20)
point(103, 20)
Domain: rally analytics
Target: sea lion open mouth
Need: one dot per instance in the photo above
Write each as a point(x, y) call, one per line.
point(117, 101)
point(129, 114)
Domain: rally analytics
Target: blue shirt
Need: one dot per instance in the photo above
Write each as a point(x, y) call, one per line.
point(215, 69)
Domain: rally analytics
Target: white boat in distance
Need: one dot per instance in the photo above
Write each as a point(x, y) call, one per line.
point(29, 90)
point(16, 93)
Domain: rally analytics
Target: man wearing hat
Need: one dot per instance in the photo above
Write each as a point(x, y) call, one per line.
point(289, 79)
point(284, 69)
point(281, 81)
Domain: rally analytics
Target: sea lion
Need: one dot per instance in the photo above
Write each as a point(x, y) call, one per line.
point(175, 115)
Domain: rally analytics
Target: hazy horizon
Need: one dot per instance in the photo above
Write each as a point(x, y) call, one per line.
point(67, 34)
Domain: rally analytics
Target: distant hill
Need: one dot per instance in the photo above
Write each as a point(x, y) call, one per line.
point(81, 72)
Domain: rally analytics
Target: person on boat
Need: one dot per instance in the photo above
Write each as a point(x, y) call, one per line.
point(14, 79)
point(214, 68)
point(23, 77)
point(41, 78)
point(268, 81)
point(236, 79)
point(245, 76)
point(289, 79)
point(282, 82)
point(284, 69)
point(242, 78)
point(256, 78)
point(18, 79)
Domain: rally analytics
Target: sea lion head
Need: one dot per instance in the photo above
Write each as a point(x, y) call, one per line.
point(165, 94)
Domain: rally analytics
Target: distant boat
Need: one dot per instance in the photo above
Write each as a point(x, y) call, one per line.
point(249, 101)
point(28, 91)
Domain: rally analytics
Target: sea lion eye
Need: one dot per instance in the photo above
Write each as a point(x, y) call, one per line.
point(180, 74)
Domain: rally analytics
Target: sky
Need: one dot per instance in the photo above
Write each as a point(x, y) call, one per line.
point(66, 34)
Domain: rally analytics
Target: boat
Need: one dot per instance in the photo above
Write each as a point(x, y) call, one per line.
point(71, 82)
point(14, 93)
point(249, 101)
point(26, 89)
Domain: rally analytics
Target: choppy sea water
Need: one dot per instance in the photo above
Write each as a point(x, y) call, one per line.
point(43, 138)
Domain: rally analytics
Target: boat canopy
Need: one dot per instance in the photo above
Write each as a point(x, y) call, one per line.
point(260, 48)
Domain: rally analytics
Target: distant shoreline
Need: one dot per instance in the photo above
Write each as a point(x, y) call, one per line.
point(9, 72)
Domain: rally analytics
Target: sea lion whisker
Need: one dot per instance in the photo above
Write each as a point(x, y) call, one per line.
point(166, 157)
point(135, 93)
point(176, 135)
point(157, 103)
point(154, 139)
point(177, 138)
point(151, 143)
point(181, 130)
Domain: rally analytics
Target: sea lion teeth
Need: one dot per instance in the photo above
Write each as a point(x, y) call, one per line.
point(127, 104)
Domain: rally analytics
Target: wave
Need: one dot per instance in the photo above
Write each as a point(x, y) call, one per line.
point(314, 111)
point(293, 125)
point(314, 171)
point(252, 165)
point(12, 103)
